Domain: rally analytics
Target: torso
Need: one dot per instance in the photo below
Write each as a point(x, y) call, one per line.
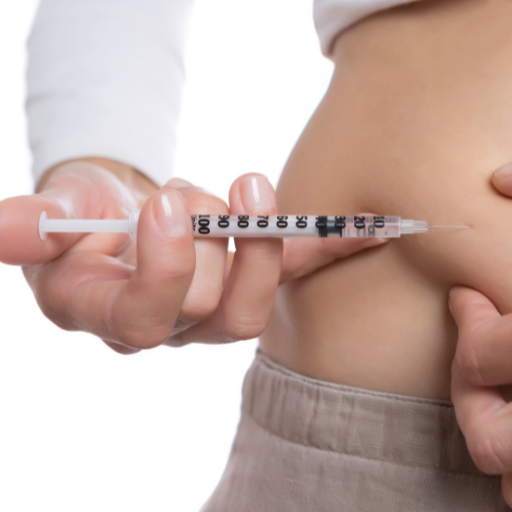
point(416, 118)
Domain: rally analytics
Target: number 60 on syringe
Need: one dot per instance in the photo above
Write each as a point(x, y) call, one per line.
point(357, 226)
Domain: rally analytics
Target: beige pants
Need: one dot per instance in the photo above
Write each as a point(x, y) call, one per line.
point(305, 445)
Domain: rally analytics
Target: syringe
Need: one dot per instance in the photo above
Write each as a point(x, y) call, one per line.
point(257, 226)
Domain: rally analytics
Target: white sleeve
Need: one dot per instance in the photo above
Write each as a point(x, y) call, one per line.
point(105, 79)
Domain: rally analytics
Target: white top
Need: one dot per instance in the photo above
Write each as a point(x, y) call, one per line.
point(333, 16)
point(105, 77)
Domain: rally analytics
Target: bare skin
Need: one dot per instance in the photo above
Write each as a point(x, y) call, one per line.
point(416, 119)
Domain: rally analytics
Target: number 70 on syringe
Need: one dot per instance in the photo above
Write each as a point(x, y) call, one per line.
point(358, 226)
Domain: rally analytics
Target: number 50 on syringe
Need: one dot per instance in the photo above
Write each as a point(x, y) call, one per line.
point(257, 226)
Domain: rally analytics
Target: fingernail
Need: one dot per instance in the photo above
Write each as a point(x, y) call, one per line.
point(177, 183)
point(170, 214)
point(504, 171)
point(372, 242)
point(257, 194)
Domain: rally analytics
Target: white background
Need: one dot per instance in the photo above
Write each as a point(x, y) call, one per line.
point(81, 427)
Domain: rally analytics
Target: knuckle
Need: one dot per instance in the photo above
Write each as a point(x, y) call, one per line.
point(197, 309)
point(165, 276)
point(182, 268)
point(243, 329)
point(120, 349)
point(139, 332)
point(143, 339)
point(486, 449)
point(137, 321)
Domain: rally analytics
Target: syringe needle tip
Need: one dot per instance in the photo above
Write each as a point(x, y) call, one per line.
point(449, 227)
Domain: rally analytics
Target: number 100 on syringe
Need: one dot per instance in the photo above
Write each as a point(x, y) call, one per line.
point(280, 226)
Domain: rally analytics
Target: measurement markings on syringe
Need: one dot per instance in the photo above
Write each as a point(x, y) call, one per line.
point(341, 225)
point(321, 225)
point(203, 222)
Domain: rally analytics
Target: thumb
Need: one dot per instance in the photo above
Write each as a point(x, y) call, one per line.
point(471, 309)
point(77, 190)
point(20, 243)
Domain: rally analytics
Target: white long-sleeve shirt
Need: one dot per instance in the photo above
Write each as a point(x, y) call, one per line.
point(105, 77)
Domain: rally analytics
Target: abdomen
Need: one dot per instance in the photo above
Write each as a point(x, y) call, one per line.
point(417, 117)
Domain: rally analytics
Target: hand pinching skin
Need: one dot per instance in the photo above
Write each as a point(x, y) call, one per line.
point(483, 361)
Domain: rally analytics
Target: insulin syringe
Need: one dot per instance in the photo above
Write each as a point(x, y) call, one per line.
point(257, 226)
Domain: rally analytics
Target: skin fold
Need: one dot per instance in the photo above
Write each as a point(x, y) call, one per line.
point(417, 117)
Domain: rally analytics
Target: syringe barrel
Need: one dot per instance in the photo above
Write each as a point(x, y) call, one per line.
point(274, 226)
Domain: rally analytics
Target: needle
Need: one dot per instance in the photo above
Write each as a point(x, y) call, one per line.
point(449, 227)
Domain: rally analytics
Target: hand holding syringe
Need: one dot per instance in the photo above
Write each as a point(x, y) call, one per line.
point(169, 288)
point(257, 226)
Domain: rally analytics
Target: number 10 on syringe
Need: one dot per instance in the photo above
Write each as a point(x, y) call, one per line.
point(301, 226)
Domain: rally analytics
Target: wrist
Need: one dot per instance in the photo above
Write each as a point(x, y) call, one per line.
point(139, 184)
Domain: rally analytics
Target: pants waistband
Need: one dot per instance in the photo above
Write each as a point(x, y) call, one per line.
point(399, 429)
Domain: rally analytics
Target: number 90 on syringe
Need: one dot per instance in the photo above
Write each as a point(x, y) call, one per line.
point(282, 226)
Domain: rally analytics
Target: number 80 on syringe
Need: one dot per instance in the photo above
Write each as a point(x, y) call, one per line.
point(280, 226)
